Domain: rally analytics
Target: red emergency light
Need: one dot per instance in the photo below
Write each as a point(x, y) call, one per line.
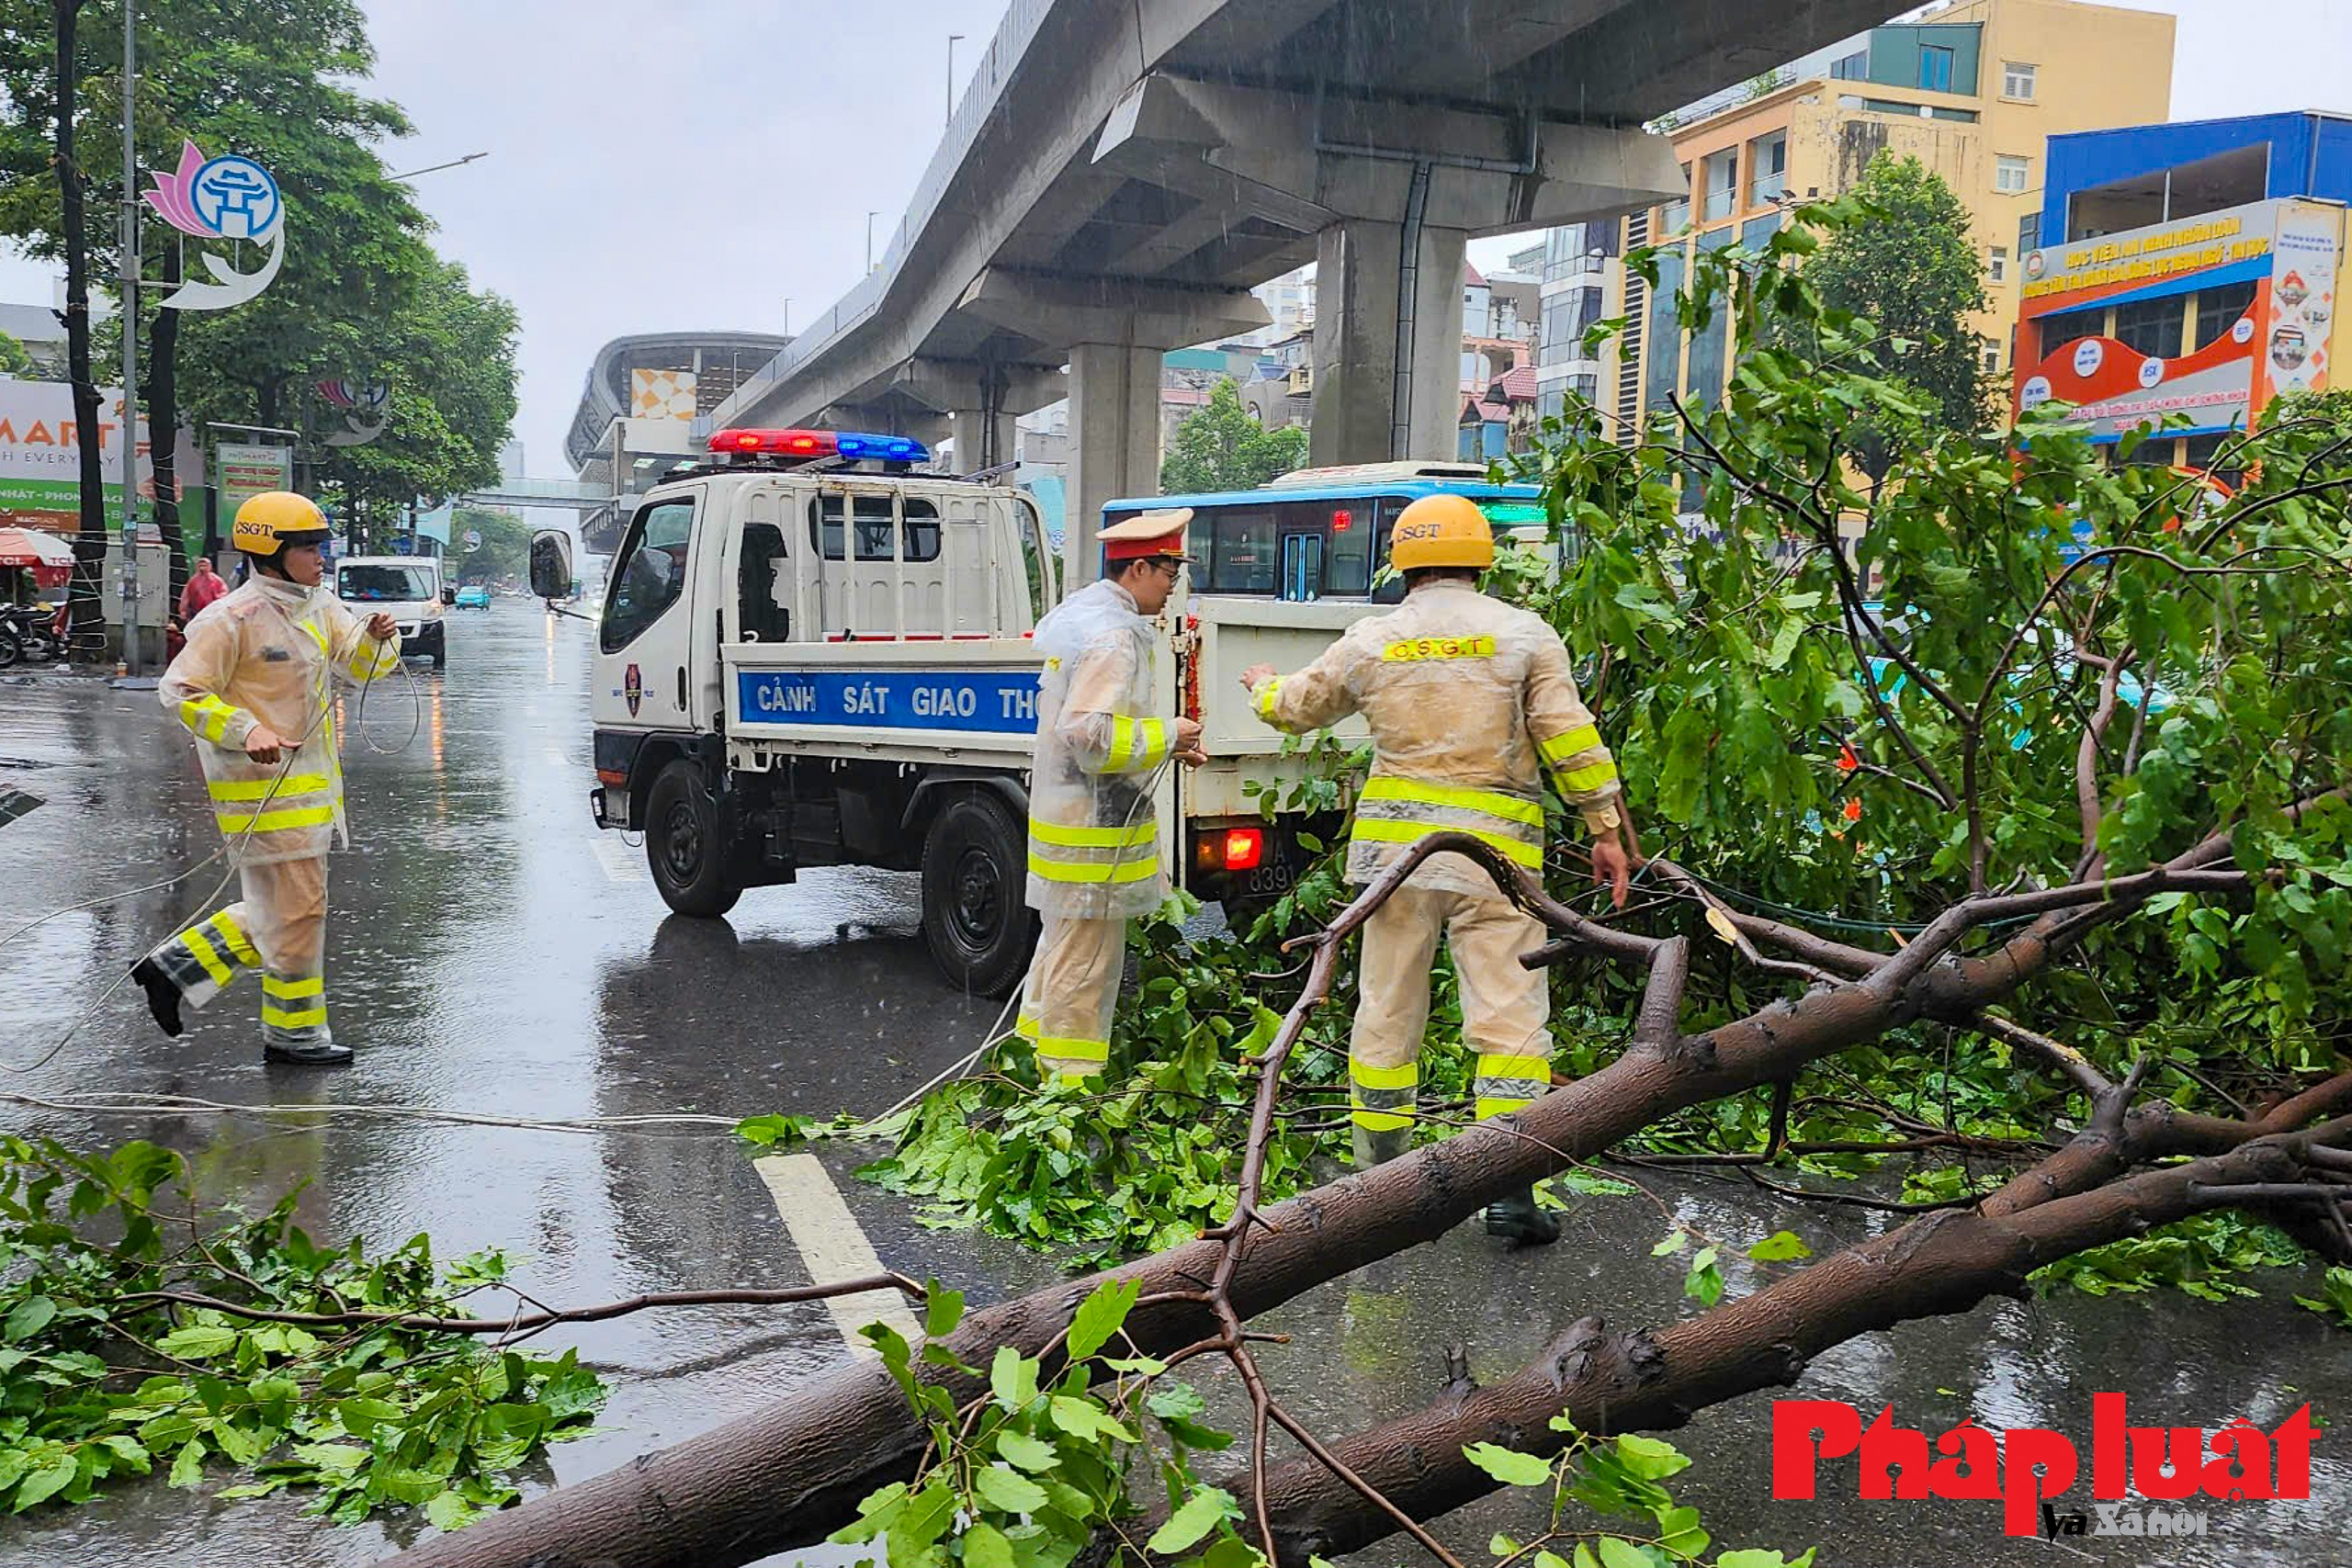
point(784, 442)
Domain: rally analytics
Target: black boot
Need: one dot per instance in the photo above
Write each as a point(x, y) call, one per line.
point(162, 997)
point(326, 1053)
point(1517, 1219)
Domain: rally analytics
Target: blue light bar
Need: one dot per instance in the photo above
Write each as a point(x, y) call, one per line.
point(891, 448)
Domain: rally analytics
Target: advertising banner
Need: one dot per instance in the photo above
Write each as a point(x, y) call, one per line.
point(2215, 371)
point(40, 456)
point(248, 469)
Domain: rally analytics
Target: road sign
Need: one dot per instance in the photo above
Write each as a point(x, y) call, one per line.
point(473, 538)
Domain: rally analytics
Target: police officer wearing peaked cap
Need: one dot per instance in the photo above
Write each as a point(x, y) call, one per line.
point(1093, 835)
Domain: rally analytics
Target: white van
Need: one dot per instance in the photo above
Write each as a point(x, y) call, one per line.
point(408, 589)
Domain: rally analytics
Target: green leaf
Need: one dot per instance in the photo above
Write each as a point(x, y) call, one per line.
point(1028, 1452)
point(985, 1546)
point(1679, 1533)
point(1004, 1490)
point(44, 1482)
point(450, 1510)
point(1099, 1315)
point(1778, 1248)
point(943, 1309)
point(30, 1316)
point(1671, 1244)
point(1616, 1552)
point(1012, 1377)
point(1649, 1459)
point(188, 1468)
point(1508, 1465)
point(1083, 1418)
point(1200, 1513)
point(198, 1342)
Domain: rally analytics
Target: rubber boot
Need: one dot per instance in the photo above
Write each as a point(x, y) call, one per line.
point(1378, 1148)
point(162, 997)
point(325, 1054)
point(1518, 1220)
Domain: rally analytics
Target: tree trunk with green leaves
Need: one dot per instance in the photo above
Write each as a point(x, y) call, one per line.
point(86, 612)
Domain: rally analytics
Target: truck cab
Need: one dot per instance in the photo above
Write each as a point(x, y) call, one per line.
point(408, 589)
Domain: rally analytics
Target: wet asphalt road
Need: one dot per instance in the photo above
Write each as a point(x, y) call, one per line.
point(490, 953)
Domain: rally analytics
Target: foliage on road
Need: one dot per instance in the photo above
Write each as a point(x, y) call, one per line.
point(1221, 446)
point(1029, 1473)
point(100, 1380)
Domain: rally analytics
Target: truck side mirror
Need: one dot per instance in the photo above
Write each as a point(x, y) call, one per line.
point(552, 564)
point(448, 596)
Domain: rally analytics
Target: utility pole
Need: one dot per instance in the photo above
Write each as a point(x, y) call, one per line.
point(130, 660)
point(952, 39)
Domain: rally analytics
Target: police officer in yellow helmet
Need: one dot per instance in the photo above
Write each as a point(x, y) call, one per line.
point(255, 686)
point(1471, 705)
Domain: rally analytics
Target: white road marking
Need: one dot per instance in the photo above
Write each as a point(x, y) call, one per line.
point(831, 1245)
point(557, 758)
point(620, 862)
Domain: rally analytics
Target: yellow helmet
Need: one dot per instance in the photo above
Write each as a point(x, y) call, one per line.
point(267, 523)
point(1441, 530)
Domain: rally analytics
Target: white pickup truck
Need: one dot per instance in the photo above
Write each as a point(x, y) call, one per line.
point(811, 654)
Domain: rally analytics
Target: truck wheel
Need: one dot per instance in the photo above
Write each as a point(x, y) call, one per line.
point(974, 868)
point(441, 651)
point(682, 845)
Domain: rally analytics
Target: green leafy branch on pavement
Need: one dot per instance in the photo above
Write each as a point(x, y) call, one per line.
point(1038, 1469)
point(101, 1381)
point(1619, 1476)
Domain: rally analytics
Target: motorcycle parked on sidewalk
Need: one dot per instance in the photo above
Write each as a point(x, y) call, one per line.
point(24, 635)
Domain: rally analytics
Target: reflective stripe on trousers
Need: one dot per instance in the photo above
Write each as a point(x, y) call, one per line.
point(1072, 992)
point(278, 927)
point(1505, 1008)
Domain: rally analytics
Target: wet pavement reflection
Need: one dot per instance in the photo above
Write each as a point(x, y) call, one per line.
point(492, 954)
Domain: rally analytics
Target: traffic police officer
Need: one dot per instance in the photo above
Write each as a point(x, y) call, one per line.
point(1471, 703)
point(255, 686)
point(1093, 837)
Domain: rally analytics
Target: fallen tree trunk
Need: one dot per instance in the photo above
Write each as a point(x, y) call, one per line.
point(791, 1474)
point(1943, 1263)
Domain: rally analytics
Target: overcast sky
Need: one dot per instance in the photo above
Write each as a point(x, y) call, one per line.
point(696, 164)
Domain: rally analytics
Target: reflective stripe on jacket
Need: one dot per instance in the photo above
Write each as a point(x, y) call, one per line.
point(1472, 706)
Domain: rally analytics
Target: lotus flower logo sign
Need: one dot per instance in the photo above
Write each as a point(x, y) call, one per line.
point(365, 405)
point(230, 198)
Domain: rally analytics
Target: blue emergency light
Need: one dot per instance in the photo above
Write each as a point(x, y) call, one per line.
point(893, 448)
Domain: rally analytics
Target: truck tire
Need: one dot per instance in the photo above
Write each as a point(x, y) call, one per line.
point(974, 868)
point(682, 844)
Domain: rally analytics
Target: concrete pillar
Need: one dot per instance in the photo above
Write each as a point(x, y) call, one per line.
point(1359, 265)
point(981, 441)
point(1113, 443)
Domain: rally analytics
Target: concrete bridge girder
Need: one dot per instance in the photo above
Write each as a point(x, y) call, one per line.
point(1053, 308)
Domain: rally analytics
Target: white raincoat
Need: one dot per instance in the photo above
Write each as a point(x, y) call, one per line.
point(269, 652)
point(1093, 840)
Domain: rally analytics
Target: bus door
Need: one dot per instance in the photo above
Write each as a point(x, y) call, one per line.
point(1302, 565)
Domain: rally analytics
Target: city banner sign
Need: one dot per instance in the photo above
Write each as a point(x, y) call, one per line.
point(2285, 251)
point(40, 456)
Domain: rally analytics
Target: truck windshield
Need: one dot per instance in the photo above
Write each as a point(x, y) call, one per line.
point(375, 584)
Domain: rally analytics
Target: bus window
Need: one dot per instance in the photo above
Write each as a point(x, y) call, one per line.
point(1347, 564)
point(1390, 589)
point(1243, 553)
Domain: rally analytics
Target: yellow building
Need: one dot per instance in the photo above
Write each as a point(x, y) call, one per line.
point(1972, 89)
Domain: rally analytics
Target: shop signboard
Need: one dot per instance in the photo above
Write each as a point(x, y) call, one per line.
point(248, 469)
point(40, 456)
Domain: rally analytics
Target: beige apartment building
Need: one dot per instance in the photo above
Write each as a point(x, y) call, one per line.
point(1972, 88)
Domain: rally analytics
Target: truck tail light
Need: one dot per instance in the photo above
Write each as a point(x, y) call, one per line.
point(614, 777)
point(1243, 848)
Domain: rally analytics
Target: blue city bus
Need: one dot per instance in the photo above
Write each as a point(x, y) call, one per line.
point(1322, 533)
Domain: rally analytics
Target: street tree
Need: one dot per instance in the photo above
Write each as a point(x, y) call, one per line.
point(504, 550)
point(2057, 873)
point(1221, 446)
point(361, 295)
point(1914, 271)
point(14, 358)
